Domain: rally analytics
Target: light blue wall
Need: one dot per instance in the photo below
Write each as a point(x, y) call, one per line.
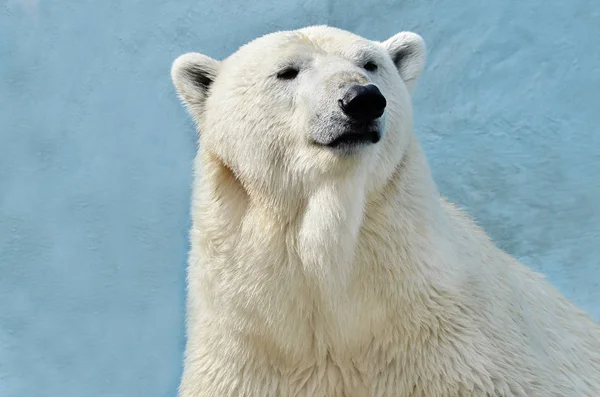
point(95, 161)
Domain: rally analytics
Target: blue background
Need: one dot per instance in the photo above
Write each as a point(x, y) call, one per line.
point(96, 152)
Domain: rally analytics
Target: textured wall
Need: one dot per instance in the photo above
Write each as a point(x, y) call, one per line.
point(95, 162)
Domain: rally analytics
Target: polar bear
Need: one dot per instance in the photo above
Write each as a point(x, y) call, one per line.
point(323, 260)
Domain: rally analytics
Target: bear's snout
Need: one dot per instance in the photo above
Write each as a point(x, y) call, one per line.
point(363, 102)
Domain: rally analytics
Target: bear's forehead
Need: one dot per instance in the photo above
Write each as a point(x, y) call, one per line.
point(317, 40)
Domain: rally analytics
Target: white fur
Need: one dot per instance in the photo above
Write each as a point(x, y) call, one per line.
point(316, 274)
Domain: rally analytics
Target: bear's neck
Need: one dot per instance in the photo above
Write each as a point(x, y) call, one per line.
point(342, 245)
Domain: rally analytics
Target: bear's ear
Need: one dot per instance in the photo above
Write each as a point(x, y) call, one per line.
point(192, 75)
point(407, 51)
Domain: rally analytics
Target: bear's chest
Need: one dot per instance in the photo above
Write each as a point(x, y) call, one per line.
point(379, 376)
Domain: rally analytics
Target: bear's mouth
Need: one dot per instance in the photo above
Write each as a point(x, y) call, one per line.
point(353, 138)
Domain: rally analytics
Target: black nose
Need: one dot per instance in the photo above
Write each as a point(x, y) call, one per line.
point(363, 102)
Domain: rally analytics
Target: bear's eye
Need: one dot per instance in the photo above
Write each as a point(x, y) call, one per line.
point(370, 66)
point(288, 73)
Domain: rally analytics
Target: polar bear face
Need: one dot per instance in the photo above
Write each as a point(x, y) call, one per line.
point(292, 109)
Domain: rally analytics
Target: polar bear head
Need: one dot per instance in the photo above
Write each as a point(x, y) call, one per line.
point(293, 109)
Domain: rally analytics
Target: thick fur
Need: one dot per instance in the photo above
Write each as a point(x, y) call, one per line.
point(318, 274)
